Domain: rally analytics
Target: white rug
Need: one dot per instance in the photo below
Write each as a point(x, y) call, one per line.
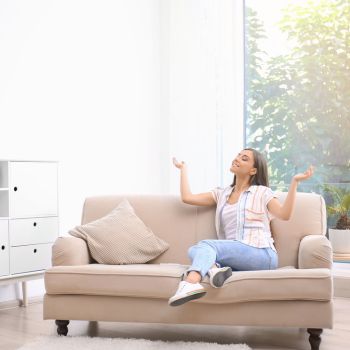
point(96, 343)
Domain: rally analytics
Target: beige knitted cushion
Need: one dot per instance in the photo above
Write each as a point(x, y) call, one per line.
point(120, 237)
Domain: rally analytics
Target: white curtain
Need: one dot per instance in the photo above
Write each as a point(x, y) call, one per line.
point(202, 88)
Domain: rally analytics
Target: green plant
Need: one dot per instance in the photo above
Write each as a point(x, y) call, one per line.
point(340, 206)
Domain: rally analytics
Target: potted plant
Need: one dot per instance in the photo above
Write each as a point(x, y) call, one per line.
point(339, 208)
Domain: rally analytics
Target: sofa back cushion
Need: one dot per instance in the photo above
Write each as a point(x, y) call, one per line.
point(182, 225)
point(308, 218)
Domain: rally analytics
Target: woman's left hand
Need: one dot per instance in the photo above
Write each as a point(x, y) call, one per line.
point(304, 176)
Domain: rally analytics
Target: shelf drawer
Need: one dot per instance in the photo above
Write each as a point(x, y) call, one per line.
point(33, 231)
point(30, 258)
point(4, 249)
point(32, 189)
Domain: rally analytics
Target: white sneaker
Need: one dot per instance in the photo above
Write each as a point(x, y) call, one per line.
point(187, 291)
point(217, 276)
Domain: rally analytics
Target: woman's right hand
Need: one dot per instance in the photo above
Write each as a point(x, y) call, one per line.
point(201, 199)
point(178, 164)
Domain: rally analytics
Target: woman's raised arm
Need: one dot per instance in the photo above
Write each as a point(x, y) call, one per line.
point(284, 211)
point(201, 199)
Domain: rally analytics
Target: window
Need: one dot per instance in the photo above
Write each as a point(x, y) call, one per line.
point(297, 88)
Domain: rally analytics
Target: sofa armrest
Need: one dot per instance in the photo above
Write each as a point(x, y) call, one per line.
point(315, 251)
point(70, 251)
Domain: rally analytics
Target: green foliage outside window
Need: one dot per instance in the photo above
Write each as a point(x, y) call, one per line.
point(298, 104)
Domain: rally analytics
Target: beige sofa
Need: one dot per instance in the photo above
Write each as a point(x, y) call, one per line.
point(298, 294)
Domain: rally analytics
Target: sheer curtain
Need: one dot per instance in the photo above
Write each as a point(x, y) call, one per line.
point(201, 89)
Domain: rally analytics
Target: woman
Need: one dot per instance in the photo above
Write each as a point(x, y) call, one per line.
point(243, 213)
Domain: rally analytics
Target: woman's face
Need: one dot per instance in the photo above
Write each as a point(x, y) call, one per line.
point(243, 164)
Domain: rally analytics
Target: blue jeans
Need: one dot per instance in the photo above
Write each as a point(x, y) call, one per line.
point(239, 256)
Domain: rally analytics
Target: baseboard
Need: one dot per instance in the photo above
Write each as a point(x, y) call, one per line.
point(10, 304)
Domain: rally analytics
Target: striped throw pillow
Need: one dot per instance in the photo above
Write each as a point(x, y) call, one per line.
point(120, 237)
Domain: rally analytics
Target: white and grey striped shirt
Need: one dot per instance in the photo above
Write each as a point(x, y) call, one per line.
point(253, 216)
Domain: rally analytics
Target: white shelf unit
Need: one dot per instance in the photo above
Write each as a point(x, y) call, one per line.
point(28, 219)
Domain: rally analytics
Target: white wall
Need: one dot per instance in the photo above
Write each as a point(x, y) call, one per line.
point(80, 83)
point(114, 89)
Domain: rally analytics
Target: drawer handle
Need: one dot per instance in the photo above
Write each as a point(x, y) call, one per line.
point(35, 250)
point(3, 247)
point(34, 224)
point(15, 188)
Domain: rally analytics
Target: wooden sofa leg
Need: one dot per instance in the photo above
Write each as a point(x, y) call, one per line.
point(315, 337)
point(62, 327)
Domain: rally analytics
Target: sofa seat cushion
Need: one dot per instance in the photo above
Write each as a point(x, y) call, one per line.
point(161, 281)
